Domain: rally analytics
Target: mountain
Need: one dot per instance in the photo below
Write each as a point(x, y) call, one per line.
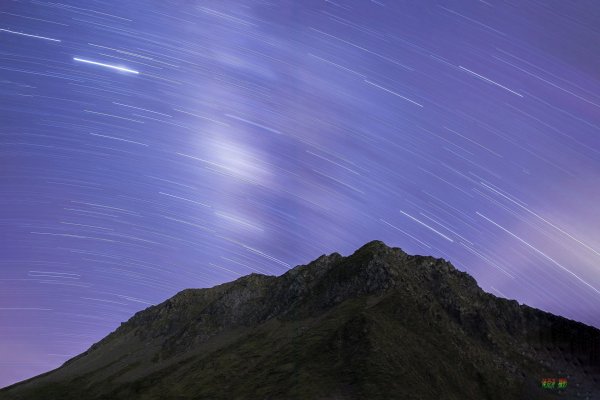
point(379, 324)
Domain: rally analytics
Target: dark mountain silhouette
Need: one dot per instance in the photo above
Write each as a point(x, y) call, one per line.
point(379, 324)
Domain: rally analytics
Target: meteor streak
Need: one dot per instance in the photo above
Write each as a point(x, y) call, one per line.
point(106, 65)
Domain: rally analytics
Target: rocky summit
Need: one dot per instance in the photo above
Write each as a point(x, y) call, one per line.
point(379, 324)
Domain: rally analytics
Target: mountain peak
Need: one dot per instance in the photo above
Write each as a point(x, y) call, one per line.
point(374, 245)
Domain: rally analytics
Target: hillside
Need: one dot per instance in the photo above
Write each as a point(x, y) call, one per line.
point(378, 324)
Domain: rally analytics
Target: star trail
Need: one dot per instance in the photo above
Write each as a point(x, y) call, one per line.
point(153, 146)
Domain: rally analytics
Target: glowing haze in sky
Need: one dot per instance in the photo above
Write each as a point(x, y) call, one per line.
point(152, 146)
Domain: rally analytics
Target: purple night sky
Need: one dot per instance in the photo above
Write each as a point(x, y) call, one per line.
point(152, 146)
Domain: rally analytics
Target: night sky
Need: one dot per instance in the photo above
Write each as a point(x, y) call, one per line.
point(152, 146)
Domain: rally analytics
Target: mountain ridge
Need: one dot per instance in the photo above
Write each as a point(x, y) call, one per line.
point(338, 327)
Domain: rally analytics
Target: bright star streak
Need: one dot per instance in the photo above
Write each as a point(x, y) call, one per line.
point(29, 35)
point(427, 226)
point(540, 253)
point(489, 80)
point(106, 65)
point(392, 92)
point(543, 219)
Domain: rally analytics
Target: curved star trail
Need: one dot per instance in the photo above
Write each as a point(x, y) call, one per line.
point(148, 147)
